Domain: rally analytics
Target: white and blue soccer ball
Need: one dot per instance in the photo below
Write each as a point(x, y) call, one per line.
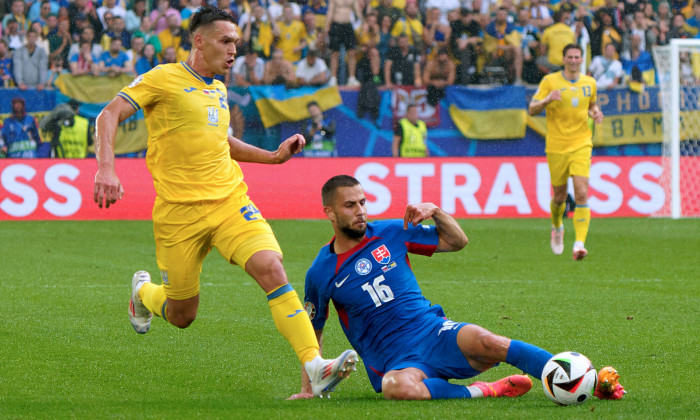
point(569, 378)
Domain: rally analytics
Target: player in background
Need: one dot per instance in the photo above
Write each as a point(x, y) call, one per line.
point(409, 348)
point(201, 197)
point(569, 98)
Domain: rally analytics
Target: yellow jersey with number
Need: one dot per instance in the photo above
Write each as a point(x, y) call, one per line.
point(187, 117)
point(567, 119)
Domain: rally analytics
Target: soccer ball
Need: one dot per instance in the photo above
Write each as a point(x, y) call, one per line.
point(569, 378)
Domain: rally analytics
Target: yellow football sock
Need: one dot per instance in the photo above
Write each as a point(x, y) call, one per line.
point(153, 298)
point(582, 220)
point(293, 322)
point(557, 213)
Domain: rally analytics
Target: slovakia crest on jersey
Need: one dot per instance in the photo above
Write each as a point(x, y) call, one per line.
point(382, 255)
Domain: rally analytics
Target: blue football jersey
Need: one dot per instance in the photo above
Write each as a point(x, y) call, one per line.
point(377, 297)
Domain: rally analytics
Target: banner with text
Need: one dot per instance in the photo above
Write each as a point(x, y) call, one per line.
point(466, 188)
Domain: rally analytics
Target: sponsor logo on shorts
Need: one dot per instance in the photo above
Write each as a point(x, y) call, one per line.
point(448, 325)
point(363, 267)
point(382, 255)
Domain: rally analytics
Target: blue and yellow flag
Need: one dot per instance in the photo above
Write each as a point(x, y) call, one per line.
point(488, 114)
point(94, 93)
point(277, 104)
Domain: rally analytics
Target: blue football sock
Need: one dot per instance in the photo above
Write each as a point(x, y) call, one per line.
point(440, 389)
point(528, 358)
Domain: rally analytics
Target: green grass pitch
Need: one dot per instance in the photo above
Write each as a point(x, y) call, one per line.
point(67, 349)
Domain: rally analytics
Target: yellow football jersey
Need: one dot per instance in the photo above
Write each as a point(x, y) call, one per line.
point(187, 117)
point(556, 37)
point(290, 37)
point(567, 119)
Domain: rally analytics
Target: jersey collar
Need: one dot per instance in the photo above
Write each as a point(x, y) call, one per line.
point(207, 80)
point(569, 80)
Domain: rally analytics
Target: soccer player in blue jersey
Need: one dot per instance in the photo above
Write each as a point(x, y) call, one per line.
point(202, 201)
point(409, 348)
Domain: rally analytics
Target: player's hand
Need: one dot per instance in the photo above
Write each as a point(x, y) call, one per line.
point(289, 148)
point(416, 213)
point(555, 95)
point(108, 189)
point(596, 114)
point(301, 396)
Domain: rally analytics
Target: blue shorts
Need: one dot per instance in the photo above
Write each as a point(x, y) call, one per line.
point(432, 349)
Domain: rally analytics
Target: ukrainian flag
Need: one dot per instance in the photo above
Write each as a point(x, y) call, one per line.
point(94, 93)
point(91, 89)
point(277, 104)
point(488, 114)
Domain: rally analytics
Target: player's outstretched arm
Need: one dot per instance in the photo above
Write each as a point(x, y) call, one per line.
point(451, 236)
point(306, 390)
point(108, 188)
point(244, 152)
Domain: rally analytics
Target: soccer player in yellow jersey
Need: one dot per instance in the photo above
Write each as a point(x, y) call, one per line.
point(201, 197)
point(569, 99)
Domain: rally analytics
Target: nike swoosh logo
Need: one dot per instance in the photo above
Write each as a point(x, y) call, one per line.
point(338, 284)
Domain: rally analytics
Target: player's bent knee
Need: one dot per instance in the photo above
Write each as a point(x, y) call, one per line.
point(401, 391)
point(181, 320)
point(181, 314)
point(400, 387)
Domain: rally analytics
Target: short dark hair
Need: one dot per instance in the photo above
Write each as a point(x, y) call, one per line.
point(338, 181)
point(207, 15)
point(571, 47)
point(312, 103)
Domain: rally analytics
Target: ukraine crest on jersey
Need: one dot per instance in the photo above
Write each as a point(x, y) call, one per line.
point(567, 119)
point(187, 118)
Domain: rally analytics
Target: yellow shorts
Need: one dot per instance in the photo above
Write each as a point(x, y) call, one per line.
point(185, 233)
point(564, 165)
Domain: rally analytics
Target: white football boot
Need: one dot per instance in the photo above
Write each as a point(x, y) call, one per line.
point(557, 242)
point(139, 316)
point(325, 375)
point(579, 251)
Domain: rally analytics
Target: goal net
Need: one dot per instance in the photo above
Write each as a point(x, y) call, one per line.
point(678, 70)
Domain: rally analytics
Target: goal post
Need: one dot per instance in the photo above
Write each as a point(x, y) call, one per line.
point(678, 71)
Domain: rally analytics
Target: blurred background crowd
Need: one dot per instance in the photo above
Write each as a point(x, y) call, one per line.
point(429, 43)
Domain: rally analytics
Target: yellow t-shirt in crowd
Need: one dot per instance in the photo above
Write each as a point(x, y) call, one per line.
point(290, 37)
point(556, 37)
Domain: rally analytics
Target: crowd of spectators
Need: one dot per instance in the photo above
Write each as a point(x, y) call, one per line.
point(430, 43)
